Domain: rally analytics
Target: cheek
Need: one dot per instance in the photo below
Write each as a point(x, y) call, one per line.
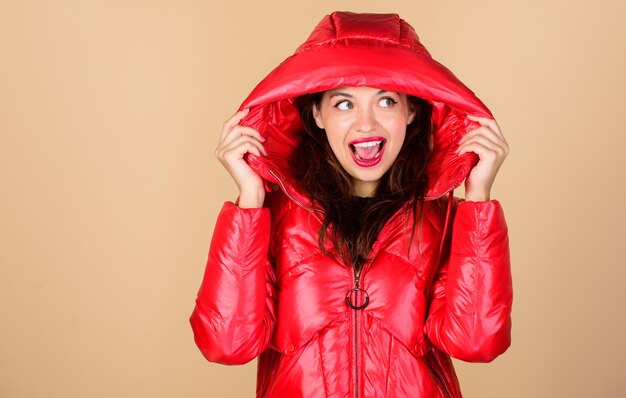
point(397, 131)
point(336, 129)
point(337, 122)
point(335, 140)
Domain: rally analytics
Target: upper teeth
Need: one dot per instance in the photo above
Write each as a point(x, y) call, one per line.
point(368, 144)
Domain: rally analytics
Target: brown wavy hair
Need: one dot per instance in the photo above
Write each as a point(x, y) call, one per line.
point(326, 182)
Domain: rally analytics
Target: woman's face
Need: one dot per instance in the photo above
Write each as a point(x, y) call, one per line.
point(365, 128)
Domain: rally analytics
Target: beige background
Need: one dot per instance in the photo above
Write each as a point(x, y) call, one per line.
point(110, 112)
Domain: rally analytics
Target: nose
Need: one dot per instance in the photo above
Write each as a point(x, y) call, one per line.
point(365, 120)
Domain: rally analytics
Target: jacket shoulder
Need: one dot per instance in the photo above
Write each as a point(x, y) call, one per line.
point(279, 206)
point(437, 209)
point(277, 202)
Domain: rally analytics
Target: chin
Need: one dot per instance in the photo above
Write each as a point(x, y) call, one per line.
point(369, 175)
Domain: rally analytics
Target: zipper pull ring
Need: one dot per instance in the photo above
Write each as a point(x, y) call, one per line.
point(355, 291)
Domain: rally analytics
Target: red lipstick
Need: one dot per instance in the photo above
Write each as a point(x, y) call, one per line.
point(367, 151)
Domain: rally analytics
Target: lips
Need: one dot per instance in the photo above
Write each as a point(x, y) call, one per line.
point(368, 151)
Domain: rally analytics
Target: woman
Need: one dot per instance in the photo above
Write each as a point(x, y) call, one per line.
point(346, 265)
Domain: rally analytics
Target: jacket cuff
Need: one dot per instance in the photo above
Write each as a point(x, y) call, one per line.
point(241, 235)
point(480, 212)
point(229, 205)
point(485, 222)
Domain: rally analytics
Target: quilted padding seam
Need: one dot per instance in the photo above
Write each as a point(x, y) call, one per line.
point(324, 382)
point(476, 237)
point(388, 378)
point(297, 264)
point(359, 41)
point(415, 267)
point(241, 275)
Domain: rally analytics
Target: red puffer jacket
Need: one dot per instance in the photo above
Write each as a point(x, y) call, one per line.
point(269, 292)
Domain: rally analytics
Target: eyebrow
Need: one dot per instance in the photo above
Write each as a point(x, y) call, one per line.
point(341, 93)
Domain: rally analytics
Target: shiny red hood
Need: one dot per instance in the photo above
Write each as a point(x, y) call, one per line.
point(376, 50)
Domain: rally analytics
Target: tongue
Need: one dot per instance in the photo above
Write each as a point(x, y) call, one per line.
point(367, 153)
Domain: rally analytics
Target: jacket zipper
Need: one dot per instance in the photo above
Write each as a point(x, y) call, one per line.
point(356, 353)
point(357, 306)
point(355, 313)
point(442, 385)
point(286, 191)
point(445, 192)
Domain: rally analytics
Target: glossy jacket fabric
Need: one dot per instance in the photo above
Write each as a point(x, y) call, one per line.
point(269, 292)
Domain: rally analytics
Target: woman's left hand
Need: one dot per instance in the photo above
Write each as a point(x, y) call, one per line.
point(488, 142)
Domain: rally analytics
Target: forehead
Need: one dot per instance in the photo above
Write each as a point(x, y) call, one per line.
point(360, 91)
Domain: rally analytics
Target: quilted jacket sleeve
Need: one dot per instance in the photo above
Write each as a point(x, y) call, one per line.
point(234, 316)
point(469, 315)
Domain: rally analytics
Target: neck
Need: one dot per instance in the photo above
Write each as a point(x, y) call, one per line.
point(365, 188)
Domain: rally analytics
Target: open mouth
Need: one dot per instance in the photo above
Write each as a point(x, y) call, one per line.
point(368, 151)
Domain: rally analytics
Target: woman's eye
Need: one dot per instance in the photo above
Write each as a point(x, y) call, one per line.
point(387, 102)
point(343, 105)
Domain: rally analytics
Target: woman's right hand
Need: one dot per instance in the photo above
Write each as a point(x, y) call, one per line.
point(235, 142)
